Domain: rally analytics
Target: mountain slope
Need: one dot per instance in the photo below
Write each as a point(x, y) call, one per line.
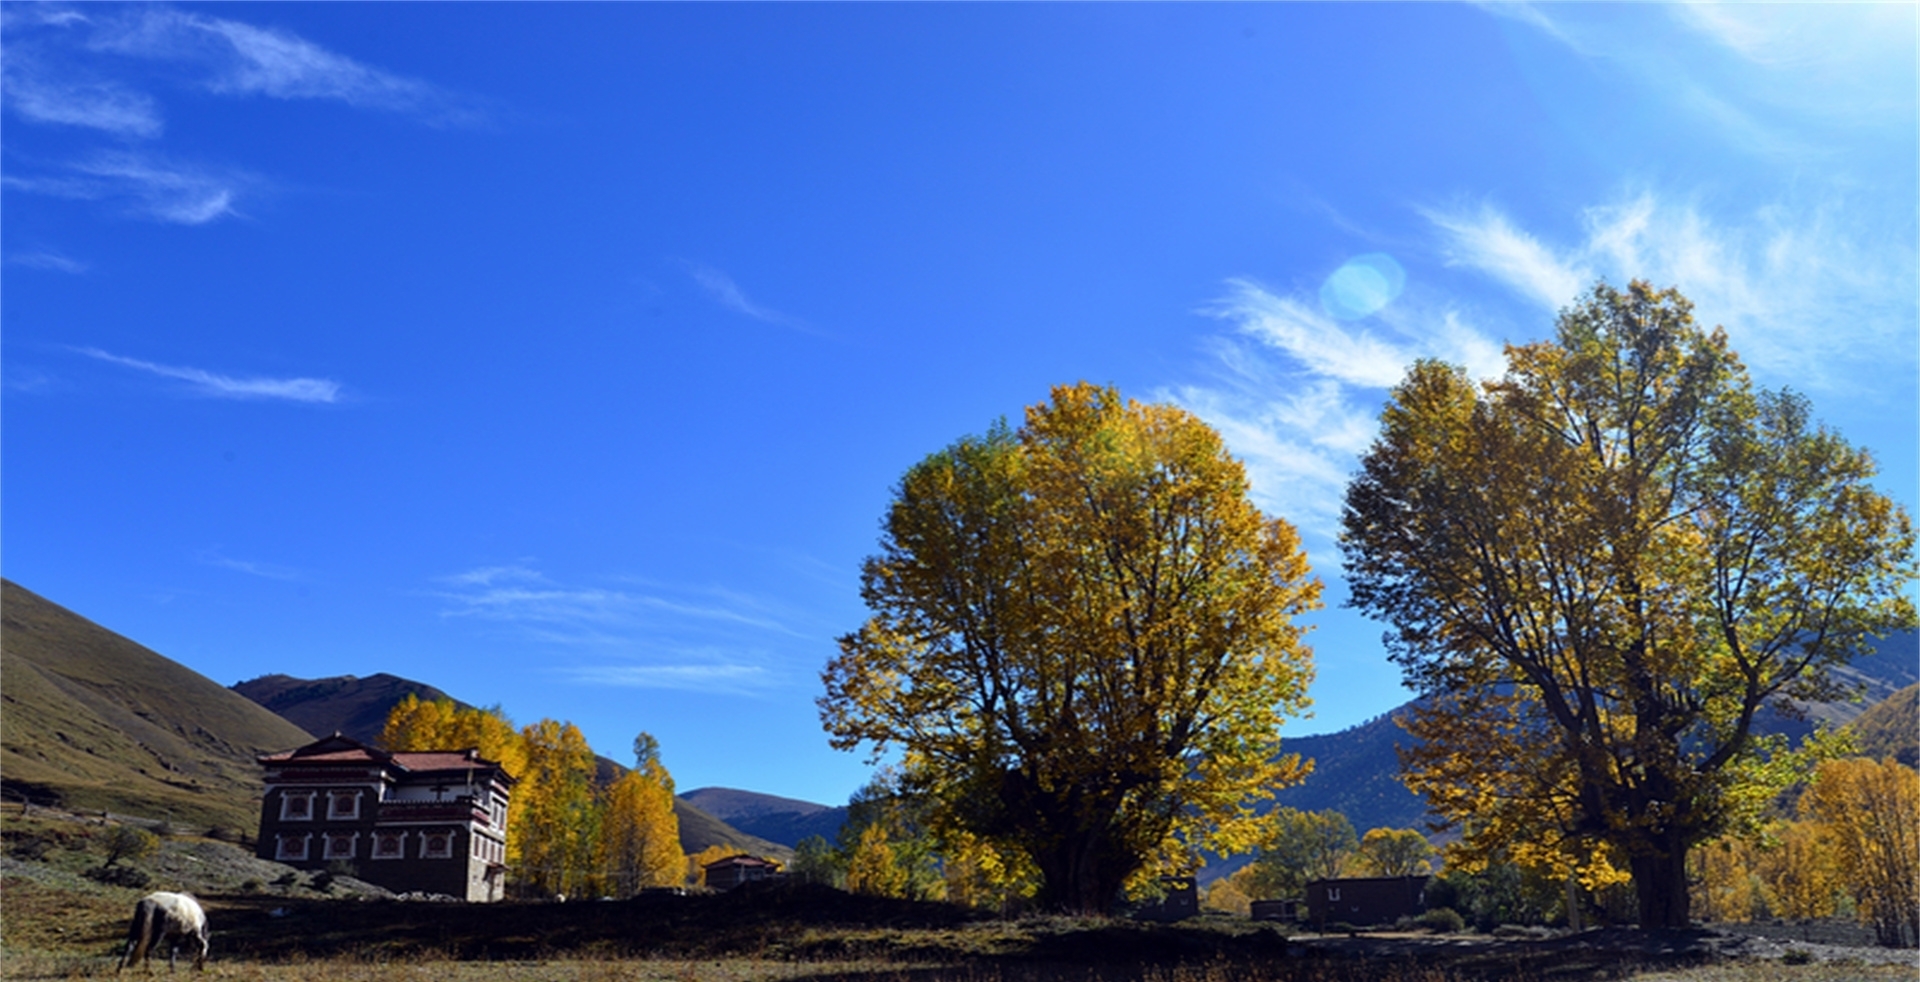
point(783, 820)
point(97, 721)
point(1891, 727)
point(344, 704)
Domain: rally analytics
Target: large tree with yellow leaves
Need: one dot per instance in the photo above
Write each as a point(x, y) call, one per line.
point(1600, 567)
point(1083, 641)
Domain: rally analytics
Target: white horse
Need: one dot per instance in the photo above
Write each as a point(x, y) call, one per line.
point(166, 919)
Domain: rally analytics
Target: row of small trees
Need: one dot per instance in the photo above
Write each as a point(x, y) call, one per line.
point(1855, 844)
point(566, 833)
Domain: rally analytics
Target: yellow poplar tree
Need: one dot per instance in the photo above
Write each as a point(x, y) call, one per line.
point(1601, 568)
point(1083, 640)
point(1800, 876)
point(556, 827)
point(1872, 814)
point(639, 832)
point(1724, 880)
point(871, 870)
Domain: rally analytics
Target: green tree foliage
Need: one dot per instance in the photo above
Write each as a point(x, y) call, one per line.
point(905, 842)
point(815, 860)
point(1083, 640)
point(129, 842)
point(1600, 567)
point(1303, 847)
point(1395, 852)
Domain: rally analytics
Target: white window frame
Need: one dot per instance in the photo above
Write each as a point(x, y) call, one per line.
point(427, 849)
point(400, 845)
point(283, 847)
point(336, 813)
point(287, 798)
point(1333, 894)
point(352, 839)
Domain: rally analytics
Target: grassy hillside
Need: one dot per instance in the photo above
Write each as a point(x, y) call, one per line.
point(1891, 727)
point(96, 721)
point(345, 704)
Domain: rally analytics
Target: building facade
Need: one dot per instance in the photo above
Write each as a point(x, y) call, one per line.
point(1366, 900)
point(429, 821)
point(737, 871)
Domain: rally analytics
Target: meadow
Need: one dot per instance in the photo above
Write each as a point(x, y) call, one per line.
point(61, 919)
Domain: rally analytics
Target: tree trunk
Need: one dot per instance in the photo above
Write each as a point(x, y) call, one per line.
point(1083, 874)
point(1660, 883)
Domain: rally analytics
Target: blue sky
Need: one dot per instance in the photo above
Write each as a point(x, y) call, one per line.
point(564, 356)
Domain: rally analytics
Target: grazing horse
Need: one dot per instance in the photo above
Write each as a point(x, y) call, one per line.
point(166, 919)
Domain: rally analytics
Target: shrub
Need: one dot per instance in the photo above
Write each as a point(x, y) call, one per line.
point(1442, 920)
point(251, 885)
point(120, 876)
point(1797, 956)
point(129, 842)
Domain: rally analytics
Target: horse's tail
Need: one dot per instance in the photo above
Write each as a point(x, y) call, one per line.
point(140, 931)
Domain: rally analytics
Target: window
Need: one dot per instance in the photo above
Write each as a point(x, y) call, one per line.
point(389, 845)
point(340, 845)
point(296, 806)
point(437, 845)
point(343, 805)
point(290, 847)
point(1333, 893)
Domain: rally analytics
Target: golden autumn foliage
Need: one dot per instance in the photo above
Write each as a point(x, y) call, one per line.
point(1871, 814)
point(558, 821)
point(639, 844)
point(697, 863)
point(871, 869)
point(1599, 568)
point(1726, 882)
point(1800, 875)
point(414, 724)
point(1083, 641)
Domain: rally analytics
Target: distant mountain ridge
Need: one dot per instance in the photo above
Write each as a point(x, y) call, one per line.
point(344, 704)
point(784, 820)
point(95, 720)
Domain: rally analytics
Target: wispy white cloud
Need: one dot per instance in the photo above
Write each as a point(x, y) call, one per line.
point(227, 386)
point(37, 95)
point(686, 638)
point(265, 571)
point(1757, 73)
point(1294, 392)
point(1805, 295)
point(243, 59)
point(149, 187)
point(725, 292)
point(1321, 344)
point(1483, 239)
point(732, 679)
point(47, 260)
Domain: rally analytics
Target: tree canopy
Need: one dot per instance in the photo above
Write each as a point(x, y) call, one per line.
point(1083, 641)
point(1599, 568)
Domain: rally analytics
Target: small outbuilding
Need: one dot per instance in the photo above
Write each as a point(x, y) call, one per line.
point(733, 871)
point(1366, 900)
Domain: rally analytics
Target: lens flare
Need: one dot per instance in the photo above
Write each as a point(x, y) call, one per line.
point(1361, 286)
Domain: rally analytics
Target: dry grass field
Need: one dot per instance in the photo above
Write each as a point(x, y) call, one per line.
point(59, 922)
